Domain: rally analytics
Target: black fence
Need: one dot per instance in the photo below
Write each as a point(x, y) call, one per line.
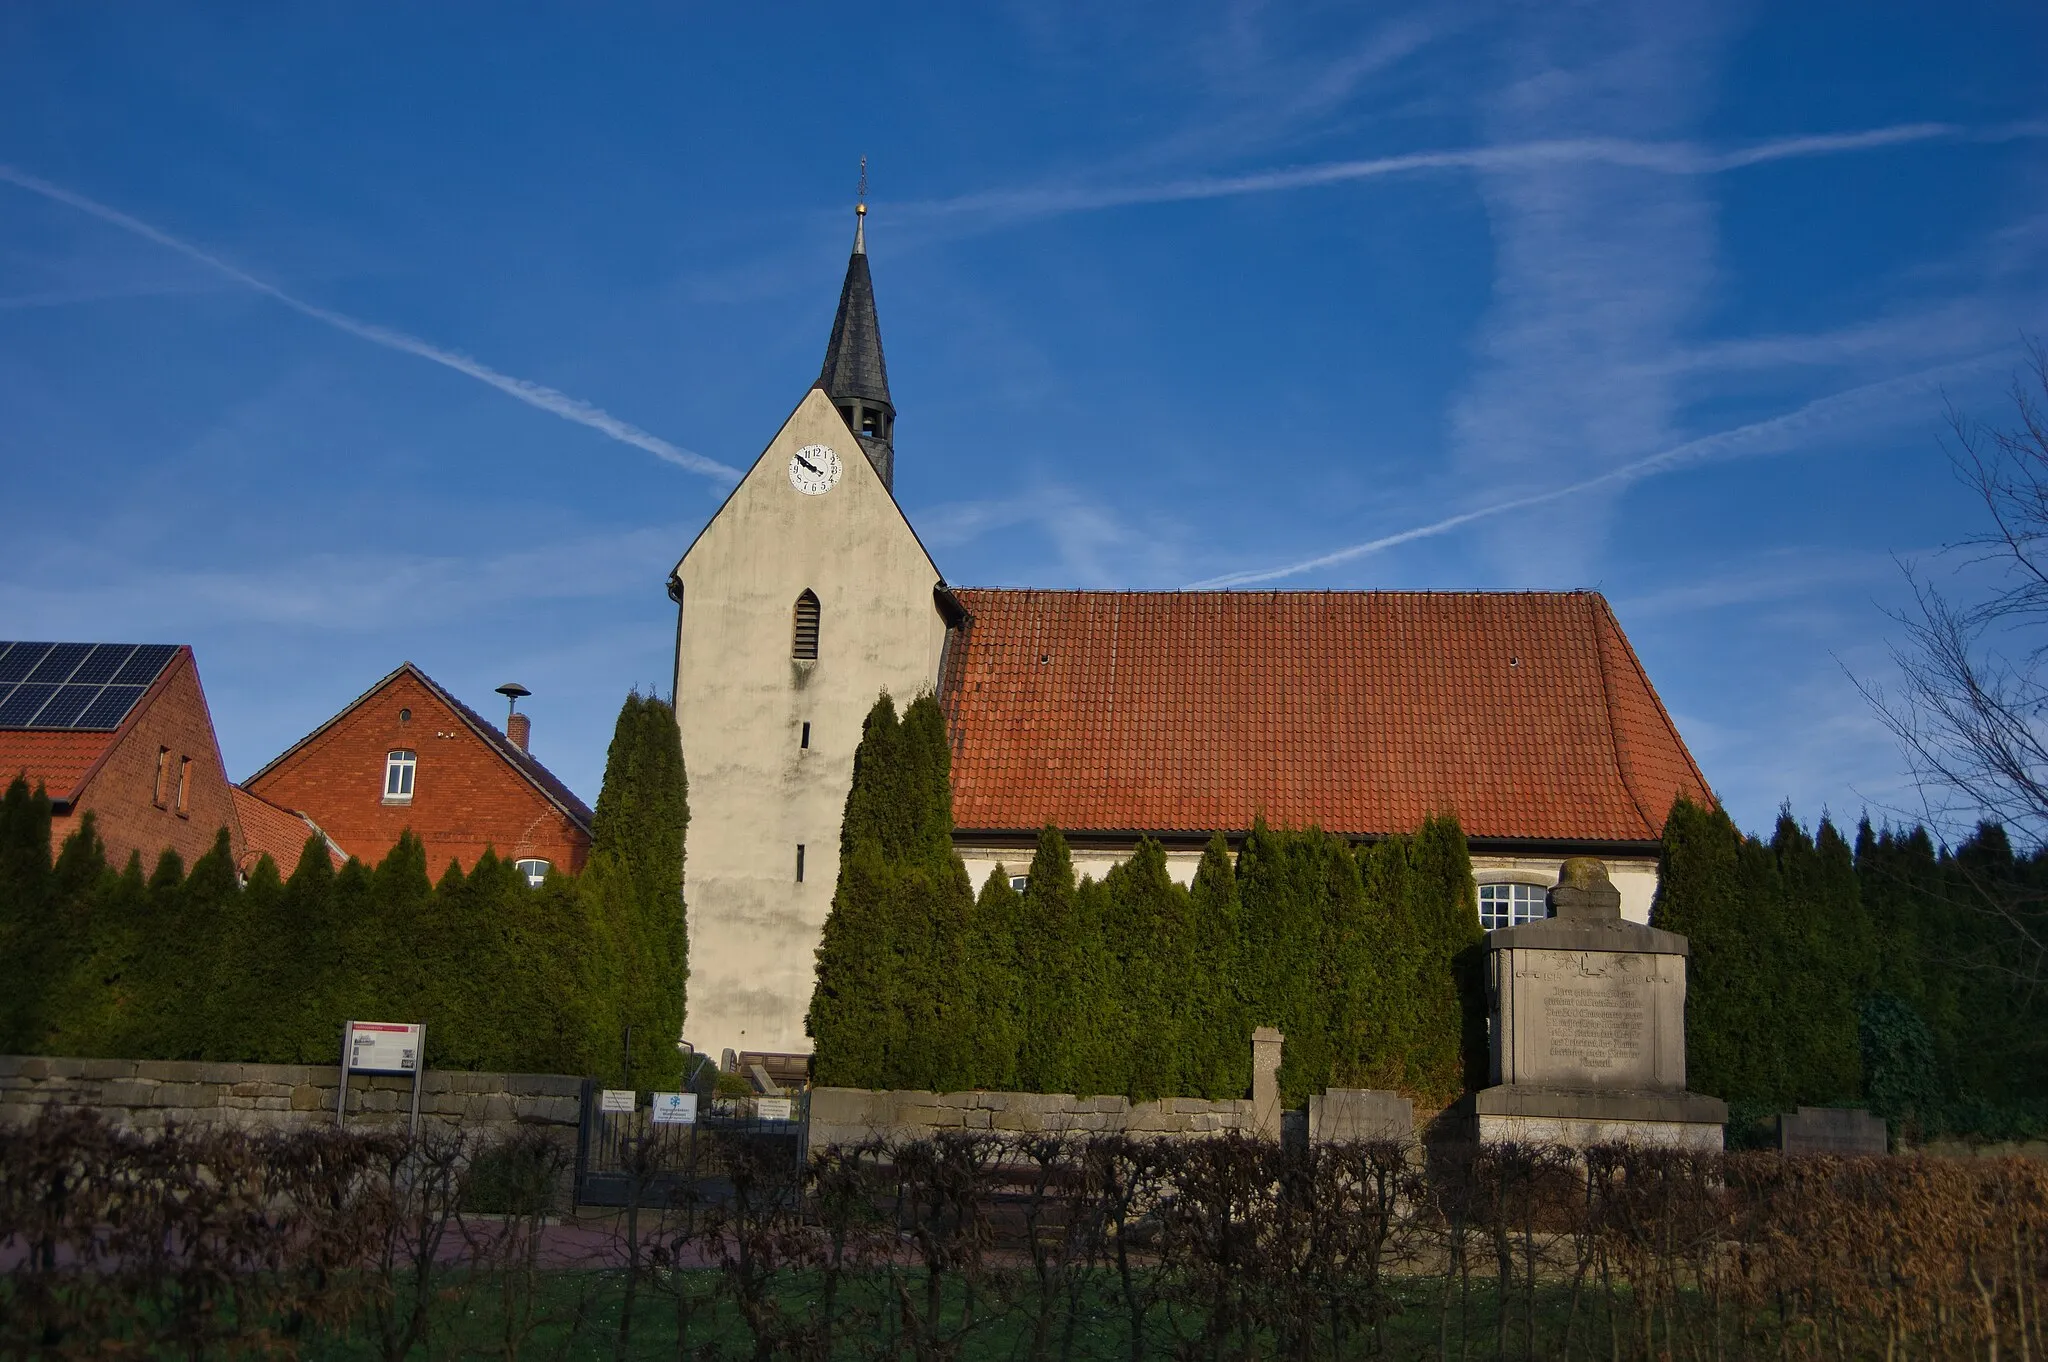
point(625, 1158)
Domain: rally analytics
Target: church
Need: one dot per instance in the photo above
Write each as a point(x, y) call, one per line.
point(1113, 715)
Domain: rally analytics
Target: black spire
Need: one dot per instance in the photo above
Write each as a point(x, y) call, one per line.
point(854, 376)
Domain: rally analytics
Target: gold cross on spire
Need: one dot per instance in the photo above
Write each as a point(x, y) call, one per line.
point(861, 194)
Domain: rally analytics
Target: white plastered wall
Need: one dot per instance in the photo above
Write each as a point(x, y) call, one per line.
point(742, 701)
point(1636, 878)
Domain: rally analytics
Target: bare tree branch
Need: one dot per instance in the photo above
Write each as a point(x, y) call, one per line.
point(1970, 710)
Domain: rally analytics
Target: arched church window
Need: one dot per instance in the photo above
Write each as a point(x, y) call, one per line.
point(806, 642)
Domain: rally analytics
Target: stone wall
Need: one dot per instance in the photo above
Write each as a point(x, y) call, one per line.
point(146, 1094)
point(851, 1115)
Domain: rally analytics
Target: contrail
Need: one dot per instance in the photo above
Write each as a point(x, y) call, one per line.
point(1671, 158)
point(533, 394)
point(1757, 437)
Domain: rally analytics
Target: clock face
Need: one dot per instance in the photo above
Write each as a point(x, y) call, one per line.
point(813, 469)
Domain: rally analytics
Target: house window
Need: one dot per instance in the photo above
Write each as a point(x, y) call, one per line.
point(534, 869)
point(806, 641)
point(184, 786)
point(805, 741)
point(799, 862)
point(1510, 905)
point(163, 776)
point(398, 768)
point(1020, 882)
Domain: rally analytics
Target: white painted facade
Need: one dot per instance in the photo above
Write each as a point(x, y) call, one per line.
point(742, 700)
point(1636, 878)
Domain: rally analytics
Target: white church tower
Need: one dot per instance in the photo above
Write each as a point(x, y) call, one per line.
point(806, 596)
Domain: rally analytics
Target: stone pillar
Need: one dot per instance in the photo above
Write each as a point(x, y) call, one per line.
point(1588, 1043)
point(1266, 1046)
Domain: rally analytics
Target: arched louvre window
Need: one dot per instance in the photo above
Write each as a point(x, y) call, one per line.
point(806, 645)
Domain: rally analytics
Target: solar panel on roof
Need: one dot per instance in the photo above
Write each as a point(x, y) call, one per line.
point(22, 702)
point(19, 660)
point(58, 664)
point(101, 664)
point(142, 668)
point(111, 707)
point(84, 686)
point(65, 706)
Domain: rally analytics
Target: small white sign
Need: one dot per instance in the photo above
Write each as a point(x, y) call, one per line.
point(772, 1108)
point(675, 1108)
point(617, 1099)
point(384, 1047)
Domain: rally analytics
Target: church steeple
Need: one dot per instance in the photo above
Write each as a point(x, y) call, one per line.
point(854, 376)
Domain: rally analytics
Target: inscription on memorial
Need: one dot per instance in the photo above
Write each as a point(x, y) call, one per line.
point(1593, 1027)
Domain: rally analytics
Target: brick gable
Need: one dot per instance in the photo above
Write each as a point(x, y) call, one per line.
point(469, 791)
point(115, 774)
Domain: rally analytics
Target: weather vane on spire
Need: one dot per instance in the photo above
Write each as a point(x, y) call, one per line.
point(861, 194)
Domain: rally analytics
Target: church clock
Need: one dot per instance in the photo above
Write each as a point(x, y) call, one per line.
point(814, 469)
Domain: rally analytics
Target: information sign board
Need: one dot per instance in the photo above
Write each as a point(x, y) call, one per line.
point(617, 1099)
point(384, 1047)
point(772, 1108)
point(675, 1108)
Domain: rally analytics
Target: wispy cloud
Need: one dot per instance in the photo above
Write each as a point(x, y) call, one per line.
point(1676, 157)
point(1867, 404)
point(533, 394)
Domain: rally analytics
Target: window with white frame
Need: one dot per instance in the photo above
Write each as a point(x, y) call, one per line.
point(534, 869)
point(398, 769)
point(1510, 905)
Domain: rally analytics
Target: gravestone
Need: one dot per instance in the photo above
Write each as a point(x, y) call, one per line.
point(1360, 1114)
point(1588, 1028)
point(1847, 1132)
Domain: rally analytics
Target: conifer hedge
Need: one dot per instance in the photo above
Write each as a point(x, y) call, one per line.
point(194, 964)
point(1133, 984)
point(1830, 973)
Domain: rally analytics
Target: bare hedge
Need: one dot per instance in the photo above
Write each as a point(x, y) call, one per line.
point(220, 1243)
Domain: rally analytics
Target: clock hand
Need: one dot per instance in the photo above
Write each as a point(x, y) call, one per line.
point(808, 464)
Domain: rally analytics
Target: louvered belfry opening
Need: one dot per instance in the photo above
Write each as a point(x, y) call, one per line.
point(806, 626)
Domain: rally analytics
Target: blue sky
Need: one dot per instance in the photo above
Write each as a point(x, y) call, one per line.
point(332, 336)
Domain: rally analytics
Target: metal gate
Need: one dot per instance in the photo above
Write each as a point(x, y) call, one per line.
point(623, 1157)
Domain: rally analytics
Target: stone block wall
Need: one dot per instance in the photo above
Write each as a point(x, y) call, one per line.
point(852, 1115)
point(146, 1094)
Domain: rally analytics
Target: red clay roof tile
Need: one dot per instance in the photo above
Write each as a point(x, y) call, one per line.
point(55, 758)
point(1525, 713)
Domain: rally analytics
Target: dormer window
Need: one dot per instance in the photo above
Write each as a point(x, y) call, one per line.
point(804, 646)
point(398, 771)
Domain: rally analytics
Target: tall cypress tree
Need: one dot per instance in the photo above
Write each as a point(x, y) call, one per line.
point(856, 1019)
point(1147, 931)
point(1051, 957)
point(993, 995)
point(25, 924)
point(633, 886)
point(1447, 1047)
point(1218, 1045)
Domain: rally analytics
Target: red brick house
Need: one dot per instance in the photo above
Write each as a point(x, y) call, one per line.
point(271, 830)
point(407, 754)
point(122, 730)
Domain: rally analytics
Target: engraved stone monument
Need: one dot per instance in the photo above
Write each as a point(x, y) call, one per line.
point(1588, 1034)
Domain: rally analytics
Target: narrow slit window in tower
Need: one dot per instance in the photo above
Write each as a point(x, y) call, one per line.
point(799, 862)
point(805, 741)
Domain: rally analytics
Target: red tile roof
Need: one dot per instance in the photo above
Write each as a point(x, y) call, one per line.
point(1525, 713)
point(272, 828)
point(58, 759)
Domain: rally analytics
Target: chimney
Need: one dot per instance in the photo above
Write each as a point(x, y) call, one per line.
point(517, 725)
